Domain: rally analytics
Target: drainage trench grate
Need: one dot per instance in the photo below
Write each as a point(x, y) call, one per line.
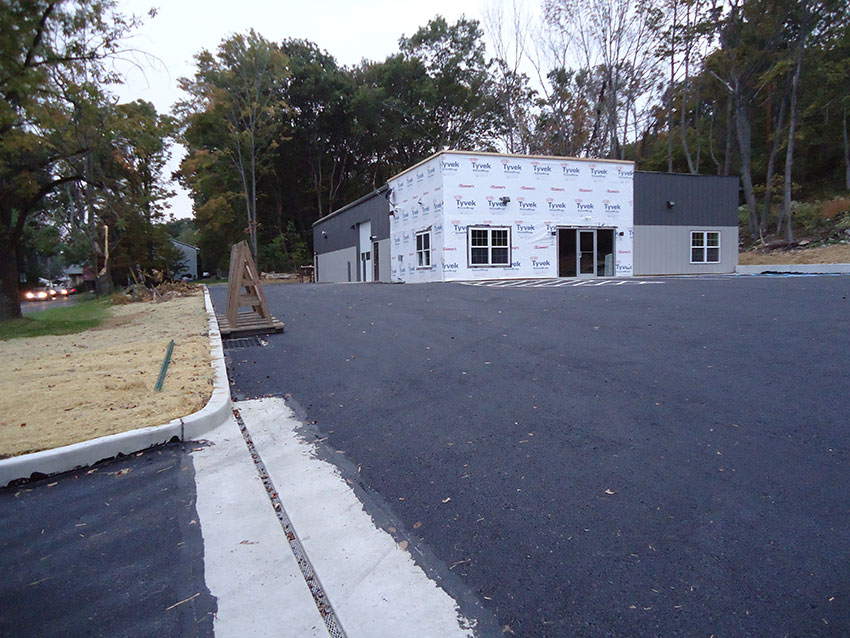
point(241, 342)
point(310, 577)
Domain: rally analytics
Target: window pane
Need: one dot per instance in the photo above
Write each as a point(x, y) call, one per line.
point(500, 237)
point(426, 258)
point(500, 255)
point(712, 239)
point(697, 239)
point(426, 241)
point(713, 255)
point(479, 256)
point(697, 255)
point(479, 237)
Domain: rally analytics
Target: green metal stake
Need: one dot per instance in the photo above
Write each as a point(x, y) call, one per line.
point(158, 386)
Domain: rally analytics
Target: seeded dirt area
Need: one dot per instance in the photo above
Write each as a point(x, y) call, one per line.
point(835, 254)
point(58, 390)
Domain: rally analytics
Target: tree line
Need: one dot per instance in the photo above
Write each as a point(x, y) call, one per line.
point(279, 134)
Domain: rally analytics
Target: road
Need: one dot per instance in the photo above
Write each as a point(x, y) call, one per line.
point(663, 460)
point(31, 307)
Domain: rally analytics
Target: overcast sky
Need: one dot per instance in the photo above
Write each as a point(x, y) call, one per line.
point(350, 30)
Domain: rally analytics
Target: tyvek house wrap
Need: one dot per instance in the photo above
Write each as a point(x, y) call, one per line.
point(451, 191)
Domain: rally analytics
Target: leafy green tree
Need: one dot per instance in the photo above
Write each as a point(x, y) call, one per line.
point(461, 107)
point(238, 93)
point(316, 154)
point(52, 65)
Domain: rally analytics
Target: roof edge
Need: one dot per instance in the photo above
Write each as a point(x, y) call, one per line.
point(520, 155)
point(736, 177)
point(362, 199)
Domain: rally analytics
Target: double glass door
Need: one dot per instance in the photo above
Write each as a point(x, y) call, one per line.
point(585, 252)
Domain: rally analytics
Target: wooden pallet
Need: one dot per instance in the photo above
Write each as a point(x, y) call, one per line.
point(247, 325)
point(244, 290)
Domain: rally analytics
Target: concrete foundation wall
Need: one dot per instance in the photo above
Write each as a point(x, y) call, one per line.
point(666, 250)
point(339, 265)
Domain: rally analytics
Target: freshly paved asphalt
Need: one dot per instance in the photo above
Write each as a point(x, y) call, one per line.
point(653, 460)
point(107, 551)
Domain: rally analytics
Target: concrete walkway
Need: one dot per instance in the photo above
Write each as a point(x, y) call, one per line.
point(366, 582)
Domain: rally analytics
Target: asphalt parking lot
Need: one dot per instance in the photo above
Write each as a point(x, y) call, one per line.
point(112, 550)
point(652, 460)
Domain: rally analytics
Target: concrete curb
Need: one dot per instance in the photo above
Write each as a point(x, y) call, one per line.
point(826, 269)
point(70, 457)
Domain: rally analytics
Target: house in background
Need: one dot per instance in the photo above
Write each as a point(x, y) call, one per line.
point(189, 262)
point(74, 275)
point(463, 216)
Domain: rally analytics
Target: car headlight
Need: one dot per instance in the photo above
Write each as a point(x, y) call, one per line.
point(29, 295)
point(42, 295)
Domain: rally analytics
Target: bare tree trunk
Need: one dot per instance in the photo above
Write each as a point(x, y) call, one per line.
point(685, 87)
point(768, 179)
point(252, 213)
point(742, 126)
point(711, 140)
point(670, 94)
point(789, 152)
point(684, 132)
point(727, 155)
point(846, 152)
point(10, 303)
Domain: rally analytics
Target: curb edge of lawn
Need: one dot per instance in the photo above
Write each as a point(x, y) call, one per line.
point(187, 428)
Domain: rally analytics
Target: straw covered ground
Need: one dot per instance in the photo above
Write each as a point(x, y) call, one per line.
point(57, 390)
point(835, 254)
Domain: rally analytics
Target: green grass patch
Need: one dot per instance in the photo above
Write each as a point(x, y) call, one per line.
point(86, 313)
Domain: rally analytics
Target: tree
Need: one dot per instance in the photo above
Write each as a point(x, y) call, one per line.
point(811, 21)
point(47, 47)
point(616, 39)
point(318, 130)
point(461, 106)
point(241, 87)
point(508, 33)
point(750, 38)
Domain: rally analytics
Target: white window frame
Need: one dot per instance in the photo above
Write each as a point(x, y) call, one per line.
point(489, 246)
point(704, 248)
point(423, 255)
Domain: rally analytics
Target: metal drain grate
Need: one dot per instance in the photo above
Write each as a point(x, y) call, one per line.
point(241, 342)
point(310, 577)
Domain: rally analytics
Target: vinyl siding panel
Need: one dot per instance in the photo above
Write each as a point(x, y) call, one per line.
point(337, 266)
point(666, 250)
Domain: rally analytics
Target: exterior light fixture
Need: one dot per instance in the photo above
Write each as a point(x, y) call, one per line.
point(670, 203)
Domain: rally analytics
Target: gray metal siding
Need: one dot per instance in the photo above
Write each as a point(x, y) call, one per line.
point(699, 200)
point(337, 266)
point(384, 259)
point(666, 250)
point(340, 230)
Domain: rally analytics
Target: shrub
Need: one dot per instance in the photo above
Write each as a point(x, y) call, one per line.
point(835, 207)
